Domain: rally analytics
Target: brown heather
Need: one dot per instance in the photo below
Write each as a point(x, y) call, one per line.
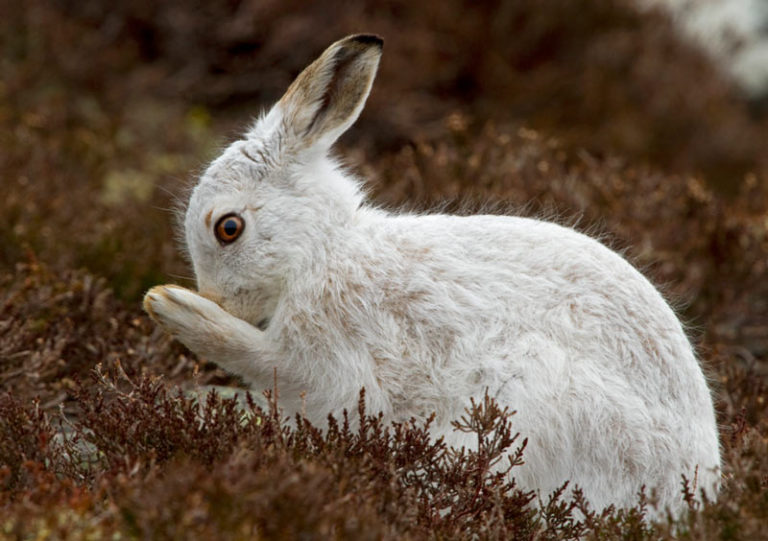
point(584, 111)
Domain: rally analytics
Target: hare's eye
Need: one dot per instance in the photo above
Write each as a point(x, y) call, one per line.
point(229, 228)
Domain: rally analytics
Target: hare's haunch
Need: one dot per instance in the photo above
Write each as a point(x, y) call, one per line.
point(297, 273)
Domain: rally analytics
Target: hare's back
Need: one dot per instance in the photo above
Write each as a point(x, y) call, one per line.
point(526, 256)
point(530, 278)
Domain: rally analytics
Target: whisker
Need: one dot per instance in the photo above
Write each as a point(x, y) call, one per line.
point(177, 199)
point(181, 277)
point(167, 191)
point(170, 210)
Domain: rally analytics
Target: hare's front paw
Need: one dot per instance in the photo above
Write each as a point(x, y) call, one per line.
point(180, 311)
point(200, 324)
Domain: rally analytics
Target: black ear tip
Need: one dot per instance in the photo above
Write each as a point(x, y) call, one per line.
point(369, 40)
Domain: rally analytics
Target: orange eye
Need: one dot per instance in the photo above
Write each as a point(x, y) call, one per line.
point(229, 228)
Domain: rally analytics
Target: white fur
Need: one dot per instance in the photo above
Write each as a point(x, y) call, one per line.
point(428, 311)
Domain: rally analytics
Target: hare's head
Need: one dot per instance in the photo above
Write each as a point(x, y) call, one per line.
point(263, 208)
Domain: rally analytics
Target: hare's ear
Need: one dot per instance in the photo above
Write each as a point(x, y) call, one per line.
point(327, 97)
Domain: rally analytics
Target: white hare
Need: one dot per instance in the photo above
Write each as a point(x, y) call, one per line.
point(296, 273)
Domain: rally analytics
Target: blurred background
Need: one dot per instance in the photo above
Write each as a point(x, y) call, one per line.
point(643, 121)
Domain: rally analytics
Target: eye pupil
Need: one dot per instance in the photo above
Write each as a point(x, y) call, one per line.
point(229, 228)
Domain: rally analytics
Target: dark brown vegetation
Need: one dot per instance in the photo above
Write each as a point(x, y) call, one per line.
point(583, 110)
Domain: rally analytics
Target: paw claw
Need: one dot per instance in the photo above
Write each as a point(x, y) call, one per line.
point(157, 303)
